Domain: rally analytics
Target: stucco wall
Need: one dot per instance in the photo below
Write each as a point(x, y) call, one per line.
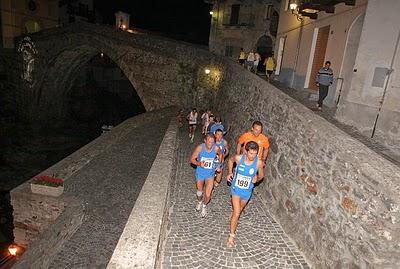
point(290, 27)
point(377, 48)
point(336, 198)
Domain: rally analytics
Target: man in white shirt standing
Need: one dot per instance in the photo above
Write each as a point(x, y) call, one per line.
point(250, 60)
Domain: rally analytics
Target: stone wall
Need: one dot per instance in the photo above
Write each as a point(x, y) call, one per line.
point(336, 198)
point(62, 226)
point(138, 245)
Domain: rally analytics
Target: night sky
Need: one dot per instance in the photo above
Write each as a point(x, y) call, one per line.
point(187, 20)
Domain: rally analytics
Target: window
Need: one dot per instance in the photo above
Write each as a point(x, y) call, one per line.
point(32, 27)
point(229, 51)
point(234, 15)
point(287, 4)
point(268, 12)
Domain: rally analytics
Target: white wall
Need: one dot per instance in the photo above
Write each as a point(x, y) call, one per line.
point(376, 49)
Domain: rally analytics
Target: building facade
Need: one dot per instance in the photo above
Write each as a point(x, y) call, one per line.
point(363, 49)
point(26, 16)
point(247, 24)
point(20, 17)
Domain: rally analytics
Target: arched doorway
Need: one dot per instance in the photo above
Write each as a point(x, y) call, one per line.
point(264, 48)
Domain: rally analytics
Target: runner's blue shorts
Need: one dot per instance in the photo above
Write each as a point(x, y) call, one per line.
point(244, 195)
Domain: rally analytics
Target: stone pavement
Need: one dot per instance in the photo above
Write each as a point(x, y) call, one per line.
point(194, 242)
point(109, 186)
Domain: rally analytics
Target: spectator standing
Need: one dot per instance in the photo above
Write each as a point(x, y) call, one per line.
point(324, 80)
point(269, 66)
point(242, 57)
point(250, 60)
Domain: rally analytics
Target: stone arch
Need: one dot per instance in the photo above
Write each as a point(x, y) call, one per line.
point(62, 68)
point(349, 57)
point(264, 45)
point(162, 71)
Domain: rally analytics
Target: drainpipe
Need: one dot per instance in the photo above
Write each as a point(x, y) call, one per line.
point(340, 90)
point(296, 59)
point(389, 73)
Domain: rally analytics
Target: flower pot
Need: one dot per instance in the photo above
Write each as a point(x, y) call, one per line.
point(47, 190)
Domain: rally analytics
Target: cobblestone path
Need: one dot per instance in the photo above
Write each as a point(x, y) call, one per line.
point(194, 242)
point(109, 187)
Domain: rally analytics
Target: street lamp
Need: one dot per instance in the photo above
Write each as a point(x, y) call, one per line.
point(207, 71)
point(295, 11)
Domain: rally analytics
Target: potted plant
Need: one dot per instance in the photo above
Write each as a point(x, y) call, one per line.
point(47, 185)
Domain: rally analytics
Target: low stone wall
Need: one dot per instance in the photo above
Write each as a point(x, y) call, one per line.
point(139, 242)
point(44, 223)
point(335, 197)
point(40, 252)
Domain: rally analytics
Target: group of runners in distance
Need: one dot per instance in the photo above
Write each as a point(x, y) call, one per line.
point(244, 169)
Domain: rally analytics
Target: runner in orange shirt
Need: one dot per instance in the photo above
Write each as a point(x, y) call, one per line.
point(256, 135)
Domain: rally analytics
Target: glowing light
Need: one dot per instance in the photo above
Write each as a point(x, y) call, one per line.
point(101, 54)
point(293, 6)
point(207, 71)
point(123, 26)
point(211, 12)
point(13, 249)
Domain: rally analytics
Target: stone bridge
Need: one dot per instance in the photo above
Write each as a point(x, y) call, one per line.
point(327, 200)
point(162, 71)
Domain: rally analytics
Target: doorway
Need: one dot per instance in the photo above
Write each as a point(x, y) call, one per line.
point(319, 55)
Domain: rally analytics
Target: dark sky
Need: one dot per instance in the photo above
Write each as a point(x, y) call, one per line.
point(187, 20)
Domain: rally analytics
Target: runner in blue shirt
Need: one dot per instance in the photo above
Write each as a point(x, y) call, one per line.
point(203, 157)
point(224, 147)
point(248, 171)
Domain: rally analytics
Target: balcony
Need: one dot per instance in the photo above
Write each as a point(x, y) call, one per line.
point(310, 8)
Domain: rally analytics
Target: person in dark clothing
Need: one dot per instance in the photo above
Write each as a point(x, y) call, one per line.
point(324, 80)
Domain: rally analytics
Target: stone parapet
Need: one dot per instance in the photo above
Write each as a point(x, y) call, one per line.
point(335, 197)
point(143, 233)
point(43, 223)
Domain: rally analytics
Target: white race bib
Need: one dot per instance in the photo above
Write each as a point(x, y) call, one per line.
point(243, 182)
point(208, 162)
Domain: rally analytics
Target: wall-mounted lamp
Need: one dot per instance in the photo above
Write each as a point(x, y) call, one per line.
point(207, 71)
point(211, 13)
point(295, 11)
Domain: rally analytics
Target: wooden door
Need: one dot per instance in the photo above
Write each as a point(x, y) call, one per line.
point(319, 55)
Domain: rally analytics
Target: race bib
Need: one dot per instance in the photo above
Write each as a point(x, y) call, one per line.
point(208, 162)
point(243, 182)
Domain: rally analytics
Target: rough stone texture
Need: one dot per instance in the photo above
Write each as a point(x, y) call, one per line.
point(195, 242)
point(105, 177)
point(335, 197)
point(32, 214)
point(138, 244)
point(162, 71)
point(40, 252)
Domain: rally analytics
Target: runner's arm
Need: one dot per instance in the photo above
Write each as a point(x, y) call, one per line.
point(265, 155)
point(238, 147)
point(260, 174)
point(226, 148)
point(195, 154)
point(231, 161)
